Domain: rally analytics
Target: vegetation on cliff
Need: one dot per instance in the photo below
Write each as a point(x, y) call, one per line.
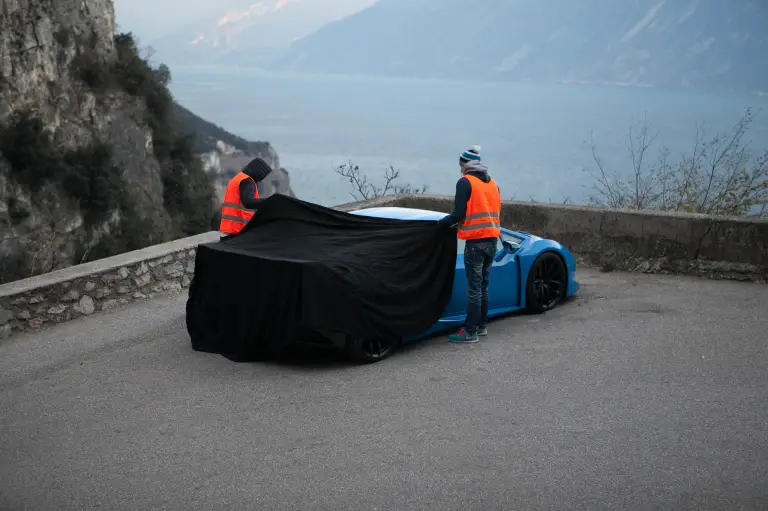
point(187, 189)
point(52, 177)
point(207, 134)
point(86, 175)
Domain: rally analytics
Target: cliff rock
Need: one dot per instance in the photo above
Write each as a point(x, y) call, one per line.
point(224, 155)
point(39, 42)
point(93, 160)
point(223, 162)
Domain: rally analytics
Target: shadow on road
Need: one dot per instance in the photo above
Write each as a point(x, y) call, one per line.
point(311, 356)
point(298, 357)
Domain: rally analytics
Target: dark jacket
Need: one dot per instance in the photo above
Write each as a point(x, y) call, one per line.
point(247, 187)
point(464, 192)
point(257, 169)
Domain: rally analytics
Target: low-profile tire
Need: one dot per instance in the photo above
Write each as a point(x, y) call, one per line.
point(368, 351)
point(547, 283)
point(194, 320)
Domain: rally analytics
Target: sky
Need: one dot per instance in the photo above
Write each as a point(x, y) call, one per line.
point(150, 19)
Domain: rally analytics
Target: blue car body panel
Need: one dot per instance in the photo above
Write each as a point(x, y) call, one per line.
point(509, 274)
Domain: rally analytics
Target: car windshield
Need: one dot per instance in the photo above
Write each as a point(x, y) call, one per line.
point(514, 241)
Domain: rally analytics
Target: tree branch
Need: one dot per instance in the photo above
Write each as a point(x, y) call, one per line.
point(363, 189)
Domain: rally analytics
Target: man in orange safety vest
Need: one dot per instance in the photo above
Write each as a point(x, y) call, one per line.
point(242, 197)
point(476, 213)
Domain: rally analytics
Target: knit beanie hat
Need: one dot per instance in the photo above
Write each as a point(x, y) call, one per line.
point(258, 169)
point(472, 154)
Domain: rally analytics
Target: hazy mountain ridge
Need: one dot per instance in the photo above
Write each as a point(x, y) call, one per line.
point(694, 43)
point(252, 33)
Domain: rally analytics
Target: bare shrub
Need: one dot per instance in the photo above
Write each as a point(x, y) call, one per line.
point(719, 176)
point(364, 189)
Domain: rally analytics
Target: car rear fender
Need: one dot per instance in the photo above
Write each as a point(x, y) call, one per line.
point(532, 249)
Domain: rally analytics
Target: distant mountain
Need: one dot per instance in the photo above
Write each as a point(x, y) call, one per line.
point(251, 33)
point(208, 135)
point(710, 44)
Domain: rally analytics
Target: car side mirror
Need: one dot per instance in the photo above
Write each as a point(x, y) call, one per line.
point(508, 246)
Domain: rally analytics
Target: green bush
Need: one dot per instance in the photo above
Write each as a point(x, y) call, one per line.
point(135, 75)
point(207, 133)
point(13, 268)
point(16, 211)
point(28, 149)
point(86, 175)
point(92, 71)
point(92, 180)
point(187, 189)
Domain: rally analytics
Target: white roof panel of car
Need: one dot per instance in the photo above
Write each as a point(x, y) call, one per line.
point(400, 213)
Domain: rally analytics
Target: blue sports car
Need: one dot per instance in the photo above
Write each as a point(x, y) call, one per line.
point(529, 273)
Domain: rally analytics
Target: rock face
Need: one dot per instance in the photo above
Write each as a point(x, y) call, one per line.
point(47, 49)
point(98, 292)
point(40, 41)
point(223, 162)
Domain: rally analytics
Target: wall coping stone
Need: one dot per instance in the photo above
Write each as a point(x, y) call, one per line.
point(105, 265)
point(392, 200)
point(717, 247)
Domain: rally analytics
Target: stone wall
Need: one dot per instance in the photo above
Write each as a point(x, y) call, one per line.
point(103, 285)
point(728, 248)
point(650, 242)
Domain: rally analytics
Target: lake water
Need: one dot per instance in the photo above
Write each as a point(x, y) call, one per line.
point(533, 135)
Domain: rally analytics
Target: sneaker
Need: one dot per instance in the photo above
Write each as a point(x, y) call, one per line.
point(482, 331)
point(463, 337)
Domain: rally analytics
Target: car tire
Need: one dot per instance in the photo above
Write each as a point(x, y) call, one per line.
point(194, 323)
point(547, 283)
point(368, 351)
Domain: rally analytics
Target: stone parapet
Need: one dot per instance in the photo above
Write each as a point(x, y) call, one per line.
point(649, 242)
point(732, 248)
point(102, 285)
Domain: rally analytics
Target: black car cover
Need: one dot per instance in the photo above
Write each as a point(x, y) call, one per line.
point(298, 267)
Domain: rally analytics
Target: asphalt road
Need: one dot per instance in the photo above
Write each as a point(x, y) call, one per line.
point(645, 392)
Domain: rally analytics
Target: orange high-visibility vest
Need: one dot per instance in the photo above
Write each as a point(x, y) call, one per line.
point(483, 211)
point(234, 216)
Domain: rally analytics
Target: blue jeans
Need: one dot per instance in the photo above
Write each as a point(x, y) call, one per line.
point(478, 258)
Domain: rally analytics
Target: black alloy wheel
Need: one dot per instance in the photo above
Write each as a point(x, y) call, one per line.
point(370, 350)
point(547, 283)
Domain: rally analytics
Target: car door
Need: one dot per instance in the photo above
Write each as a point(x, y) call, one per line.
point(504, 285)
point(458, 303)
point(503, 288)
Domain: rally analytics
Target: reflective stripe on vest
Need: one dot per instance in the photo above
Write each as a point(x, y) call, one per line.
point(234, 215)
point(482, 219)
